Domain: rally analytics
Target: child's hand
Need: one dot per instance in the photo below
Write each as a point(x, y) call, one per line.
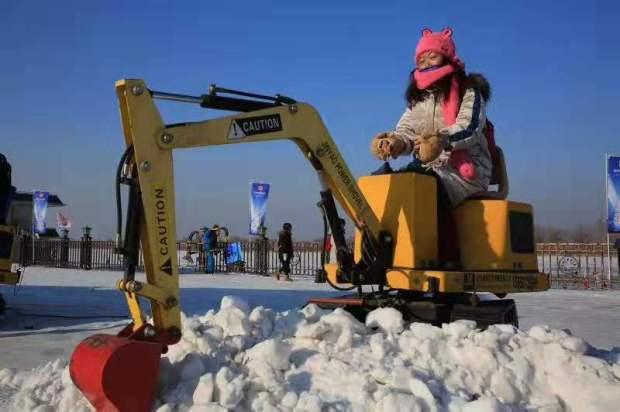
point(385, 145)
point(417, 141)
point(376, 147)
point(429, 147)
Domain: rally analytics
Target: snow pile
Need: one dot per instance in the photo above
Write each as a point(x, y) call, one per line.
point(239, 358)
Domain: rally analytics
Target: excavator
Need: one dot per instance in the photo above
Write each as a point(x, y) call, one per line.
point(393, 263)
point(8, 276)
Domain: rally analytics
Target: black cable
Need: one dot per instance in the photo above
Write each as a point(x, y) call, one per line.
point(325, 234)
point(338, 287)
point(367, 242)
point(119, 207)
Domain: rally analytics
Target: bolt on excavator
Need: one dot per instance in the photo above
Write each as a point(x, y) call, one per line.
point(396, 239)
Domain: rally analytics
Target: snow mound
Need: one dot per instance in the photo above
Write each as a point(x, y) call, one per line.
point(242, 359)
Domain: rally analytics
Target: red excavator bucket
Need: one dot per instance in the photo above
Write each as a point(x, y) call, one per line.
point(116, 373)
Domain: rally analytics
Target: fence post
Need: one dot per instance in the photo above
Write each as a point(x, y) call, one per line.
point(64, 248)
point(86, 249)
point(617, 246)
point(21, 249)
point(262, 255)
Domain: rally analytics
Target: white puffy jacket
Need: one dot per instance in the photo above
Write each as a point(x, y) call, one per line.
point(467, 133)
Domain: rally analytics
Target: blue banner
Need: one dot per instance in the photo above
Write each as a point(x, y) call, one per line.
point(613, 194)
point(259, 192)
point(39, 201)
point(234, 253)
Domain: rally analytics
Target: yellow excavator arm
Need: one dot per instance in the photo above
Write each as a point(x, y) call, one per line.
point(150, 143)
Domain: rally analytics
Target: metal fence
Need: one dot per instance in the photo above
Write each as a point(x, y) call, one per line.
point(570, 265)
point(260, 257)
point(579, 265)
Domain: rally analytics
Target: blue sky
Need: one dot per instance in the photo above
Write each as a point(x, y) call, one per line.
point(551, 66)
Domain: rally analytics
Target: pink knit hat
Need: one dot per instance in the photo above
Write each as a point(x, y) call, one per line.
point(439, 42)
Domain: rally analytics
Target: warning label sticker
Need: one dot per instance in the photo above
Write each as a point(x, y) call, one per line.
point(240, 128)
point(497, 281)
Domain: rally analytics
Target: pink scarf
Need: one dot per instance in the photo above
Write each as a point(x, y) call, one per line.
point(426, 78)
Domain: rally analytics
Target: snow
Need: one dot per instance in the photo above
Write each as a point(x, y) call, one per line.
point(386, 319)
point(248, 345)
point(29, 341)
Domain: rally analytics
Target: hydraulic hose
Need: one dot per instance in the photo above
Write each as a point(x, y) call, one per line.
point(323, 256)
point(119, 207)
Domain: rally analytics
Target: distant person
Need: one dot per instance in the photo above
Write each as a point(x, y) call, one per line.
point(285, 251)
point(327, 248)
point(210, 245)
point(332, 250)
point(262, 251)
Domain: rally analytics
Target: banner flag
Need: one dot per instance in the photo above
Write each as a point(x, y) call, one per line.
point(39, 201)
point(259, 192)
point(62, 221)
point(613, 194)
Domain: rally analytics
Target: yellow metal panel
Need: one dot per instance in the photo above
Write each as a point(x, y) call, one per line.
point(484, 236)
point(8, 278)
point(134, 310)
point(155, 173)
point(406, 205)
point(332, 270)
point(458, 282)
point(6, 263)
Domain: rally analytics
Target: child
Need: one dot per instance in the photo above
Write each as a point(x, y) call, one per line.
point(285, 251)
point(444, 126)
point(444, 121)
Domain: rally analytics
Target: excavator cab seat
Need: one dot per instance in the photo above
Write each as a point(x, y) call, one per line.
point(499, 177)
point(495, 233)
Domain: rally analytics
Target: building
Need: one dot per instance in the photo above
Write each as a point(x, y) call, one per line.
point(21, 212)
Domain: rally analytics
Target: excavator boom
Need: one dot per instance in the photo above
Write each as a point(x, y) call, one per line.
point(146, 167)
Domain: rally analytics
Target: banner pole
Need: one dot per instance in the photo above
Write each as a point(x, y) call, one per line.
point(32, 235)
point(606, 218)
point(608, 260)
point(32, 226)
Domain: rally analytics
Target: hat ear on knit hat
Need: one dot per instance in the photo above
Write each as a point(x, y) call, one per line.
point(447, 32)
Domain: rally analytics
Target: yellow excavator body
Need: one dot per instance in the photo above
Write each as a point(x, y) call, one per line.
point(495, 238)
point(7, 251)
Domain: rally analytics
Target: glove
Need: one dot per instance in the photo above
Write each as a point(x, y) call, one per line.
point(384, 145)
point(429, 149)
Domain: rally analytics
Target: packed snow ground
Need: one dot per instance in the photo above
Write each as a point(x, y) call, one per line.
point(259, 351)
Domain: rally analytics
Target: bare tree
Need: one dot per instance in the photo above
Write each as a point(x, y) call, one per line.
point(580, 233)
point(550, 234)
